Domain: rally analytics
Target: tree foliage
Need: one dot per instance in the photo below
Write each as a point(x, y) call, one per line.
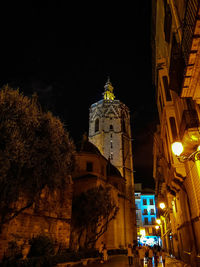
point(92, 211)
point(35, 151)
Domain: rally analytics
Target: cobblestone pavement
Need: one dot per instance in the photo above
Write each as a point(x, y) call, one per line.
point(122, 261)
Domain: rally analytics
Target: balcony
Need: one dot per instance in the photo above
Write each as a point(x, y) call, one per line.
point(190, 50)
point(188, 131)
point(189, 120)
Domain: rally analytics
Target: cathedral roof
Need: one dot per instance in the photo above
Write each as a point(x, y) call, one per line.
point(86, 146)
point(112, 170)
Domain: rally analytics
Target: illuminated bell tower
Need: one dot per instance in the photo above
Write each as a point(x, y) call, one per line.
point(110, 131)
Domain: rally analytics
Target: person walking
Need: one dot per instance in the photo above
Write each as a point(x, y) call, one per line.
point(101, 251)
point(156, 257)
point(105, 253)
point(150, 257)
point(141, 252)
point(162, 254)
point(130, 254)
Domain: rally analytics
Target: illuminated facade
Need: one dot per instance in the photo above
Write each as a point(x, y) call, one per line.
point(146, 216)
point(93, 170)
point(176, 58)
point(110, 132)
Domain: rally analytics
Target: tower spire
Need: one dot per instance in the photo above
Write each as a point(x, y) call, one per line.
point(108, 93)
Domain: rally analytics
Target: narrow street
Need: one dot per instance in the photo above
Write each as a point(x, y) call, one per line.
point(122, 261)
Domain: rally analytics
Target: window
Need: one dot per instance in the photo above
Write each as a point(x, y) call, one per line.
point(173, 128)
point(146, 222)
point(111, 155)
point(152, 212)
point(111, 127)
point(144, 202)
point(102, 170)
point(96, 125)
point(151, 201)
point(111, 144)
point(153, 220)
point(89, 166)
point(123, 126)
point(166, 87)
point(145, 212)
point(167, 22)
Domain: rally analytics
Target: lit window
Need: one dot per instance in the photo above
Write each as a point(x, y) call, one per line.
point(111, 155)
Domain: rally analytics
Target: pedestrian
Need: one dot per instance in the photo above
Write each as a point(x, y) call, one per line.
point(156, 257)
point(146, 253)
point(105, 253)
point(130, 254)
point(150, 256)
point(162, 254)
point(101, 251)
point(136, 256)
point(141, 252)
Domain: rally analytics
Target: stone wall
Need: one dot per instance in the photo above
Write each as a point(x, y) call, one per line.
point(51, 216)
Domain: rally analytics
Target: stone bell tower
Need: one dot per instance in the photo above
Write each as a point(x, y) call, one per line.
point(110, 131)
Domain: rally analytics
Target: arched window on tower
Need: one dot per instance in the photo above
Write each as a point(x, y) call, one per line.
point(96, 125)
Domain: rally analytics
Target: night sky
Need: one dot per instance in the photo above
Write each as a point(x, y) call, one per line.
point(68, 69)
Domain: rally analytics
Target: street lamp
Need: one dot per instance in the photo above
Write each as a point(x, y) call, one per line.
point(162, 205)
point(158, 221)
point(177, 149)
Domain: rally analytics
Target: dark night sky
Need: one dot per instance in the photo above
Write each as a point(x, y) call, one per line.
point(68, 69)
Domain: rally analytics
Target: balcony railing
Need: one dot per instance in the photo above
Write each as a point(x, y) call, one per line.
point(189, 120)
point(191, 12)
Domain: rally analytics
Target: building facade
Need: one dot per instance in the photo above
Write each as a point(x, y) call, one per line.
point(176, 70)
point(146, 216)
point(94, 170)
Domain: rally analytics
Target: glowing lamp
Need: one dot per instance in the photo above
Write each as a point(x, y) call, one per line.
point(157, 227)
point(142, 232)
point(177, 148)
point(158, 221)
point(162, 205)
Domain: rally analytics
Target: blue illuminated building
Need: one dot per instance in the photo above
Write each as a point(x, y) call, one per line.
point(146, 216)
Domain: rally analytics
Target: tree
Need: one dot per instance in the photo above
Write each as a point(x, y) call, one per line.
point(92, 211)
point(35, 152)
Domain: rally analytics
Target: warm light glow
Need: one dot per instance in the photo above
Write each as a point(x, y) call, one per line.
point(108, 94)
point(158, 221)
point(177, 148)
point(142, 232)
point(162, 205)
point(157, 226)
